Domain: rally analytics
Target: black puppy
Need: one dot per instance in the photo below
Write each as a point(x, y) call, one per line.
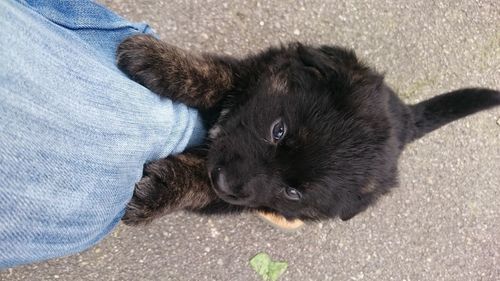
point(305, 132)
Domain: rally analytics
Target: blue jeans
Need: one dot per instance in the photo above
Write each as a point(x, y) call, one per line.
point(74, 131)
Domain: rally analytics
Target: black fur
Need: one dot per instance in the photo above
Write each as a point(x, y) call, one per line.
point(345, 128)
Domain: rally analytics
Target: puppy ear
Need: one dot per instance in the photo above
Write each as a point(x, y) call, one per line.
point(348, 212)
point(345, 216)
point(354, 87)
point(328, 60)
point(340, 66)
point(313, 58)
point(353, 84)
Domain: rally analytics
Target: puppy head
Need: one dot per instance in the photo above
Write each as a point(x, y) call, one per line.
point(309, 139)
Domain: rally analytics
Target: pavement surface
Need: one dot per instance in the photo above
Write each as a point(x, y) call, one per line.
point(442, 223)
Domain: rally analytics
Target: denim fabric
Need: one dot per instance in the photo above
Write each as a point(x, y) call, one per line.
point(74, 131)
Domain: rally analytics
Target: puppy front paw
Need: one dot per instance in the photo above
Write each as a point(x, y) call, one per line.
point(149, 201)
point(142, 58)
point(197, 81)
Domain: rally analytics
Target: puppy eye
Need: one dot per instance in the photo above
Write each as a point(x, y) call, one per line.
point(293, 194)
point(278, 130)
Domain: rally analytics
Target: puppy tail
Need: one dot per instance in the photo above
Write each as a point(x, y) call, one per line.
point(433, 113)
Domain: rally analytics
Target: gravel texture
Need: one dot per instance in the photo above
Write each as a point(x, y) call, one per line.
point(442, 223)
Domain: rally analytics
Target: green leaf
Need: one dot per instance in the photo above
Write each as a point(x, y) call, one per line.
point(276, 269)
point(268, 269)
point(260, 263)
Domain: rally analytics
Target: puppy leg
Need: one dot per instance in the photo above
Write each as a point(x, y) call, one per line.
point(198, 81)
point(170, 184)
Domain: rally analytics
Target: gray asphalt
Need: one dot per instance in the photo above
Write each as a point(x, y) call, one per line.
point(442, 223)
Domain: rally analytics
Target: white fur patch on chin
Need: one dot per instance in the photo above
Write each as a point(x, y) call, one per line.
point(214, 132)
point(224, 112)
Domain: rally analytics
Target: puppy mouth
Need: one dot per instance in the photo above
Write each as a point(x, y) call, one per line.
point(232, 199)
